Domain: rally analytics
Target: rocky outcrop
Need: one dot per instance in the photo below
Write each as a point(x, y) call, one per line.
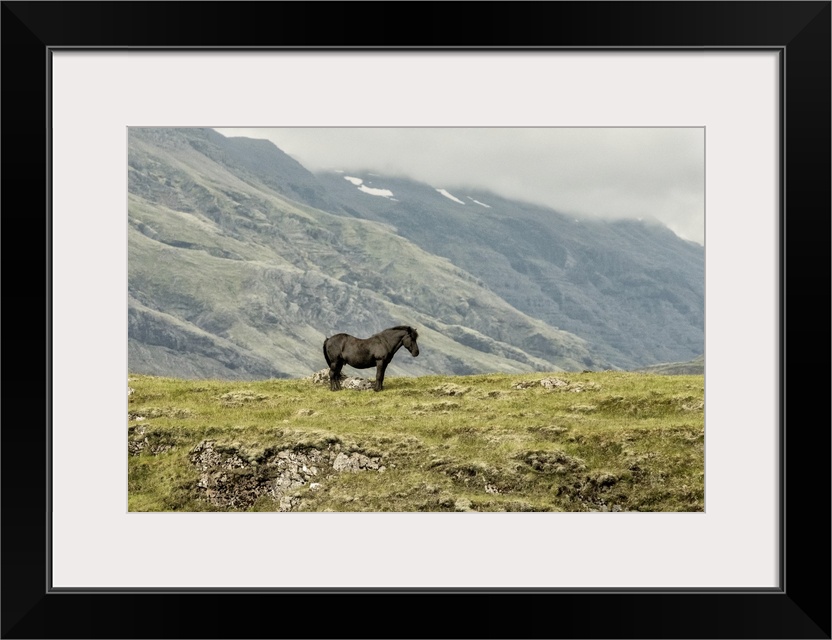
point(347, 382)
point(557, 384)
point(231, 478)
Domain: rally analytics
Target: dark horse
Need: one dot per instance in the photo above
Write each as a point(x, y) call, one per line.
point(362, 353)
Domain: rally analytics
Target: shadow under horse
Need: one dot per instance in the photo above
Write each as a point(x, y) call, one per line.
point(362, 353)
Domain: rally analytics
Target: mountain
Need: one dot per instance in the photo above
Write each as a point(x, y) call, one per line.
point(634, 290)
point(229, 277)
point(241, 262)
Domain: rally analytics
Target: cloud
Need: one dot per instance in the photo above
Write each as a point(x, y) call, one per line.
point(649, 173)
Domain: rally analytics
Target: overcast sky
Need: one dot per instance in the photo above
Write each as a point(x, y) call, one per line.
point(651, 173)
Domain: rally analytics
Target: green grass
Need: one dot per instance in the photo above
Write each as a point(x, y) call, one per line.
point(608, 441)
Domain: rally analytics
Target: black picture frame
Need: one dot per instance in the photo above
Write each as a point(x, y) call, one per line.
point(800, 608)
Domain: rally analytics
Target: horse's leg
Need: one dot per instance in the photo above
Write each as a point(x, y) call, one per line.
point(335, 374)
point(381, 365)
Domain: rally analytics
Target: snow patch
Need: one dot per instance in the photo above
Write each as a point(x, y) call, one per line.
point(358, 182)
point(482, 204)
point(386, 193)
point(449, 196)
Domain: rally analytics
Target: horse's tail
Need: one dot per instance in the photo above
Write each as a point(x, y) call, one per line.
point(326, 355)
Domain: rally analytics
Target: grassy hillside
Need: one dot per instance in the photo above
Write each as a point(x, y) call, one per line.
point(611, 441)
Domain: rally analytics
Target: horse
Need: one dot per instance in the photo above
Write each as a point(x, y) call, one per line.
point(363, 353)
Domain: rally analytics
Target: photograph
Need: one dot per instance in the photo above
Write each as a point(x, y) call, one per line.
point(416, 319)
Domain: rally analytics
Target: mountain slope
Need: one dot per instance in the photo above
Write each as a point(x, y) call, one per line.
point(634, 290)
point(231, 276)
point(695, 367)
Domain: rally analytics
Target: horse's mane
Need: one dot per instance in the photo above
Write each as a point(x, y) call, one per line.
point(410, 330)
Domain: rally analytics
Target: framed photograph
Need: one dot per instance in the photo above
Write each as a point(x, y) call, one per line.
point(82, 79)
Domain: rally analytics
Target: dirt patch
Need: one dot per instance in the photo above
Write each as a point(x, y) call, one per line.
point(436, 406)
point(450, 389)
point(494, 394)
point(549, 432)
point(597, 492)
point(552, 461)
point(583, 408)
point(689, 404)
point(239, 398)
point(478, 476)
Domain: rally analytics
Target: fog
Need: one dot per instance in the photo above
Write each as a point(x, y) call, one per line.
point(643, 173)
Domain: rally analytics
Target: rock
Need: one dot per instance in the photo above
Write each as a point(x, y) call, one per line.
point(322, 377)
point(357, 384)
point(355, 462)
point(347, 382)
point(553, 383)
point(342, 462)
point(558, 383)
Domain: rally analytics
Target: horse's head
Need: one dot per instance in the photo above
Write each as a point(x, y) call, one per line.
point(409, 341)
